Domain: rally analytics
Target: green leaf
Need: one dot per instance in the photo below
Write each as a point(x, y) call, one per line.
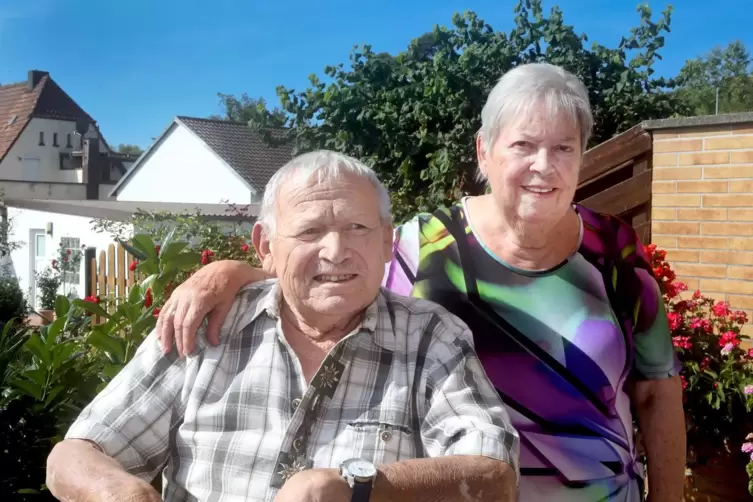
point(27, 491)
point(109, 344)
point(92, 308)
point(62, 304)
point(29, 388)
point(134, 295)
point(62, 353)
point(111, 370)
point(172, 250)
point(145, 244)
point(132, 250)
point(186, 260)
point(35, 345)
point(166, 242)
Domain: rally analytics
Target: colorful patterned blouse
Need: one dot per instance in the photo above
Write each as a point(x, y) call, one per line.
point(552, 345)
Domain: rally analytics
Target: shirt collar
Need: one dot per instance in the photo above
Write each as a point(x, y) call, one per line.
point(383, 336)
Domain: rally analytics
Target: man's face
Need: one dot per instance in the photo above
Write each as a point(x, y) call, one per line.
point(330, 245)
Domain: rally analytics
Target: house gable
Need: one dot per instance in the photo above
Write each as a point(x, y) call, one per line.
point(180, 167)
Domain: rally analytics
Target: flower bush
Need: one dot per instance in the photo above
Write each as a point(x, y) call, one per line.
point(717, 372)
point(49, 282)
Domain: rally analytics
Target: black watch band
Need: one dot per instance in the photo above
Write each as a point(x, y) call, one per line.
point(361, 492)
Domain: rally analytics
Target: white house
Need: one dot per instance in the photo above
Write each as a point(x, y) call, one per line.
point(203, 161)
point(50, 148)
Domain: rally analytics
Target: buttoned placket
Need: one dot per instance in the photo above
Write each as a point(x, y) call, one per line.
point(293, 456)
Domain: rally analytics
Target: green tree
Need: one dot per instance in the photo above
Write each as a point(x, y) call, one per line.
point(413, 117)
point(129, 149)
point(250, 110)
point(727, 69)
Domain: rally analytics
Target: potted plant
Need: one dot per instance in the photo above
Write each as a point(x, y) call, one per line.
point(717, 380)
point(49, 283)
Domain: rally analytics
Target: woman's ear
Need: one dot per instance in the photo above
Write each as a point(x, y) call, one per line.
point(263, 247)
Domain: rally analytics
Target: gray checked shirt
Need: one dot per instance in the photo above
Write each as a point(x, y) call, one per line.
point(232, 422)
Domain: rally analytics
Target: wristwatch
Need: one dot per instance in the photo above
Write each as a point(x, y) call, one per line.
point(360, 475)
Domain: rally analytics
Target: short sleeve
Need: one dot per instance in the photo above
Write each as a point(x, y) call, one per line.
point(132, 417)
point(655, 356)
point(465, 413)
point(400, 272)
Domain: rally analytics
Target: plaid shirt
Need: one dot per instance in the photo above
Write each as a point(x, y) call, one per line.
point(234, 421)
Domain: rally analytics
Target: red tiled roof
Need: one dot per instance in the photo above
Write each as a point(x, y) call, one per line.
point(18, 105)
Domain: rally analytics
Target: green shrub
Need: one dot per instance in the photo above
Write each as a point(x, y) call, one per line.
point(12, 301)
point(49, 282)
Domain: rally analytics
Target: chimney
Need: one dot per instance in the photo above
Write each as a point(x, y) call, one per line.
point(34, 77)
point(91, 164)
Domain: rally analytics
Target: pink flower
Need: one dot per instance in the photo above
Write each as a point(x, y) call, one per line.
point(699, 323)
point(727, 349)
point(244, 248)
point(750, 353)
point(729, 338)
point(747, 448)
point(684, 382)
point(748, 390)
point(682, 342)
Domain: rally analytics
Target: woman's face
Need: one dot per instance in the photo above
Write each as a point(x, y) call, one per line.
point(532, 168)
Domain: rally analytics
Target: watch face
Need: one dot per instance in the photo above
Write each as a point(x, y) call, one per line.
point(362, 470)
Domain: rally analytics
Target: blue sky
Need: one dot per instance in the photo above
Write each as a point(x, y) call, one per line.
point(134, 65)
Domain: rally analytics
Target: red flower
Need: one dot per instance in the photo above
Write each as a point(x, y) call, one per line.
point(92, 299)
point(206, 256)
point(716, 385)
point(244, 248)
point(157, 248)
point(67, 251)
point(684, 382)
point(750, 353)
point(705, 363)
point(721, 309)
point(156, 311)
point(739, 316)
point(698, 323)
point(55, 264)
point(729, 337)
point(675, 320)
point(133, 265)
point(148, 300)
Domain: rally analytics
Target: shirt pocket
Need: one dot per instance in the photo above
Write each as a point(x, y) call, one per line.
point(380, 442)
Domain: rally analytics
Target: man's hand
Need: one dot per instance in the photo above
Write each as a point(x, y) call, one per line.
point(210, 291)
point(315, 485)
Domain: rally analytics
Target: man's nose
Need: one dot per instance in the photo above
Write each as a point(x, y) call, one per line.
point(334, 247)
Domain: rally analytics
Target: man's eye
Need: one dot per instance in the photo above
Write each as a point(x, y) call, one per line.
point(565, 148)
point(522, 144)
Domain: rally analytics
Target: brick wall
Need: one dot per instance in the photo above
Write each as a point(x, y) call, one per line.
point(702, 208)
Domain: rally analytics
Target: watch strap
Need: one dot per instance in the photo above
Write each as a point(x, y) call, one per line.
point(361, 492)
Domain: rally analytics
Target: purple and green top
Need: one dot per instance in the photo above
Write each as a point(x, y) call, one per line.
point(552, 345)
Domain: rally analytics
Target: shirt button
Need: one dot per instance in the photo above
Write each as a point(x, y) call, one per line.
point(386, 436)
point(296, 403)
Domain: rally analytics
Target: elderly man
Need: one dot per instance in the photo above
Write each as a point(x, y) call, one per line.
point(323, 388)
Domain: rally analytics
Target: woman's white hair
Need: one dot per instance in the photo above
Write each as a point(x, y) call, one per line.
point(530, 86)
point(326, 165)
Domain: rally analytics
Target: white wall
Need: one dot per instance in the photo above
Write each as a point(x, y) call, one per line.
point(27, 145)
point(24, 220)
point(183, 169)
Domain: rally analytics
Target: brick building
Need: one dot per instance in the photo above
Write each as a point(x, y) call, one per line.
point(702, 203)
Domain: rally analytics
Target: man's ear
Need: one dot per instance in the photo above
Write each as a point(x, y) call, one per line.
point(263, 248)
point(387, 236)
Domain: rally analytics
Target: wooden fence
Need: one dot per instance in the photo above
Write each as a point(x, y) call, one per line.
point(616, 179)
point(108, 276)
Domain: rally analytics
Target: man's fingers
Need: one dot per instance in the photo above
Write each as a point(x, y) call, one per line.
point(216, 320)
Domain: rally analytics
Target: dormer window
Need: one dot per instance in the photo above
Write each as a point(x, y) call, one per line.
point(55, 139)
point(41, 138)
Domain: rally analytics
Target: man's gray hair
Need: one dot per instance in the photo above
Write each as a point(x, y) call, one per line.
point(531, 85)
point(326, 165)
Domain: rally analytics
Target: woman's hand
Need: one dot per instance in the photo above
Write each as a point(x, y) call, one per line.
point(210, 291)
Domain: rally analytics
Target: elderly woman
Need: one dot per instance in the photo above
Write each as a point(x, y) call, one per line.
point(567, 318)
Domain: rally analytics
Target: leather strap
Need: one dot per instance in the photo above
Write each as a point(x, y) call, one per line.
point(361, 492)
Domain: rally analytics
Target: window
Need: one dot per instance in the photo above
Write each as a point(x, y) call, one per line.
point(41, 138)
point(70, 247)
point(68, 143)
point(55, 139)
point(67, 162)
point(39, 245)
